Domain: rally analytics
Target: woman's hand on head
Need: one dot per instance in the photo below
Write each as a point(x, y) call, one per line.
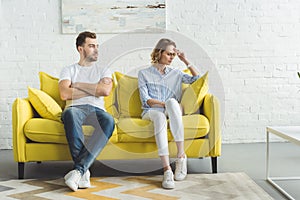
point(180, 55)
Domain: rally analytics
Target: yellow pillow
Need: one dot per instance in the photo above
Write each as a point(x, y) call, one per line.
point(185, 85)
point(45, 105)
point(128, 96)
point(49, 84)
point(110, 100)
point(193, 95)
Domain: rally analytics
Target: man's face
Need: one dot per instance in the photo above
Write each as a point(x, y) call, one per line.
point(90, 50)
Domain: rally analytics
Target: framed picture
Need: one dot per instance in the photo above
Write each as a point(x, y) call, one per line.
point(113, 16)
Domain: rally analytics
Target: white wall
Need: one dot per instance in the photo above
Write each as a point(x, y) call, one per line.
point(255, 46)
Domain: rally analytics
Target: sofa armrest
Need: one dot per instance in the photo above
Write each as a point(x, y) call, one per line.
point(211, 109)
point(21, 113)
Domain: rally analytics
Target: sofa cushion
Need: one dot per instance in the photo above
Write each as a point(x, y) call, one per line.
point(45, 105)
point(135, 130)
point(193, 95)
point(139, 130)
point(195, 126)
point(49, 131)
point(128, 96)
point(49, 84)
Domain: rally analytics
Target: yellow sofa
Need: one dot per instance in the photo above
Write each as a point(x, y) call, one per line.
point(38, 133)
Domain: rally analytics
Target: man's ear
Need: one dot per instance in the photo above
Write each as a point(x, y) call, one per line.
point(79, 48)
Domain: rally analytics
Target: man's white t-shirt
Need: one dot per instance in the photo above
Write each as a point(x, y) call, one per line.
point(87, 74)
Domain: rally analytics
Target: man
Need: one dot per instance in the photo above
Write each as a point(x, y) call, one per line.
point(83, 86)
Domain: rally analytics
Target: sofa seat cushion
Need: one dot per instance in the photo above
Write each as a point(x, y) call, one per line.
point(195, 126)
point(49, 131)
point(135, 130)
point(139, 130)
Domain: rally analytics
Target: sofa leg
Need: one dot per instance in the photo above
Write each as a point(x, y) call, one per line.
point(21, 167)
point(214, 165)
point(38, 162)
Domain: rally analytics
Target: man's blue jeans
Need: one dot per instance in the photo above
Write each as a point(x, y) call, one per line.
point(84, 151)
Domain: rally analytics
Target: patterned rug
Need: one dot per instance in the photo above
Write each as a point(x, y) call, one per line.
point(223, 186)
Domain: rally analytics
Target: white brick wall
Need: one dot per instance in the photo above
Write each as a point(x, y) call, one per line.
point(255, 46)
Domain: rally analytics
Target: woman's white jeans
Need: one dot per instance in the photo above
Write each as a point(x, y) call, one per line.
point(159, 119)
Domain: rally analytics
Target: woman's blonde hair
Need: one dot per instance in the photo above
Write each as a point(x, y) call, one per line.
point(160, 48)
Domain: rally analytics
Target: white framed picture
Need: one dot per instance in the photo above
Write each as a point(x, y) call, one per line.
point(113, 16)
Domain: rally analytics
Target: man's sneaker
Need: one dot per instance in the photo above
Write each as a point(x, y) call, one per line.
point(168, 180)
point(85, 180)
point(181, 168)
point(72, 179)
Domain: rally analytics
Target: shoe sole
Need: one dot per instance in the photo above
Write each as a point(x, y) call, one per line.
point(84, 185)
point(179, 179)
point(169, 188)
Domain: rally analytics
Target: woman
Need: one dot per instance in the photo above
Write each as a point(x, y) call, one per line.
point(160, 92)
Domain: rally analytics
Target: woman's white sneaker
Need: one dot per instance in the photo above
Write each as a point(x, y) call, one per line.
point(181, 168)
point(168, 180)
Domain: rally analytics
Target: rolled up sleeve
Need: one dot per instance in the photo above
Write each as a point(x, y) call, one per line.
point(143, 90)
point(188, 78)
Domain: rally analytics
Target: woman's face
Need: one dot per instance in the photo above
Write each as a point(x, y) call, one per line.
point(167, 56)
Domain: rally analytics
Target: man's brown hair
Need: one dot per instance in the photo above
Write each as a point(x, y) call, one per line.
point(80, 40)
